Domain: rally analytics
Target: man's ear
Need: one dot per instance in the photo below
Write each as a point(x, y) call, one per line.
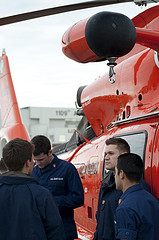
point(122, 174)
point(27, 163)
point(50, 152)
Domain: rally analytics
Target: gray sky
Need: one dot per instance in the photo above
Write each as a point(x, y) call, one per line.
point(42, 75)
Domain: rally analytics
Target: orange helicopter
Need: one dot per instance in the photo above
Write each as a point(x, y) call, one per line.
point(123, 103)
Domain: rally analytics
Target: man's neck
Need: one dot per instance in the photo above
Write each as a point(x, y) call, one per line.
point(127, 184)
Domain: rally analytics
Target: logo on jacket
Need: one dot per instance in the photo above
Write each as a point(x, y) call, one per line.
point(56, 179)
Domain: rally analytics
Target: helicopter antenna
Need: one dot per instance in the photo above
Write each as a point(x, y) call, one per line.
point(111, 65)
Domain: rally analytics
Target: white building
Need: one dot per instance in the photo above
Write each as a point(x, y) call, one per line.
point(57, 124)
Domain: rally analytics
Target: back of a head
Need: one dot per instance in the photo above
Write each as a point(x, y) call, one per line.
point(42, 145)
point(121, 144)
point(132, 166)
point(16, 153)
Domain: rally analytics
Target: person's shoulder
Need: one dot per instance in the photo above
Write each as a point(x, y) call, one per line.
point(145, 185)
point(141, 198)
point(148, 196)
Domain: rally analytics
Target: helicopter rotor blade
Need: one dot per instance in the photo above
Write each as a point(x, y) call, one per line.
point(56, 10)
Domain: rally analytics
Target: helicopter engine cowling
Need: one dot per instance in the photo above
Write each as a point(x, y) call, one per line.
point(104, 35)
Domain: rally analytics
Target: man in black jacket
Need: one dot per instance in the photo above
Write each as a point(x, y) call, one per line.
point(28, 211)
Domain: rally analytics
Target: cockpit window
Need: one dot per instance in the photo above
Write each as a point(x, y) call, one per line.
point(137, 142)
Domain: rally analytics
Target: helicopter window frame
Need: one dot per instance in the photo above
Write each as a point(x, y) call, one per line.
point(124, 136)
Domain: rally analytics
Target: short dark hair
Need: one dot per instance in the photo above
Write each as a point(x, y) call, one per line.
point(16, 153)
point(132, 166)
point(42, 145)
point(121, 144)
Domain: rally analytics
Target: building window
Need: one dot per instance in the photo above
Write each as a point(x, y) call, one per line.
point(34, 121)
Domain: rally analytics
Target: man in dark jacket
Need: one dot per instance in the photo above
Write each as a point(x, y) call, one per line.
point(109, 196)
point(27, 210)
point(63, 181)
point(137, 214)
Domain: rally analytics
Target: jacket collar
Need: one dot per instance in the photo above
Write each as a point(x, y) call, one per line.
point(16, 178)
point(15, 174)
point(109, 179)
point(133, 188)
